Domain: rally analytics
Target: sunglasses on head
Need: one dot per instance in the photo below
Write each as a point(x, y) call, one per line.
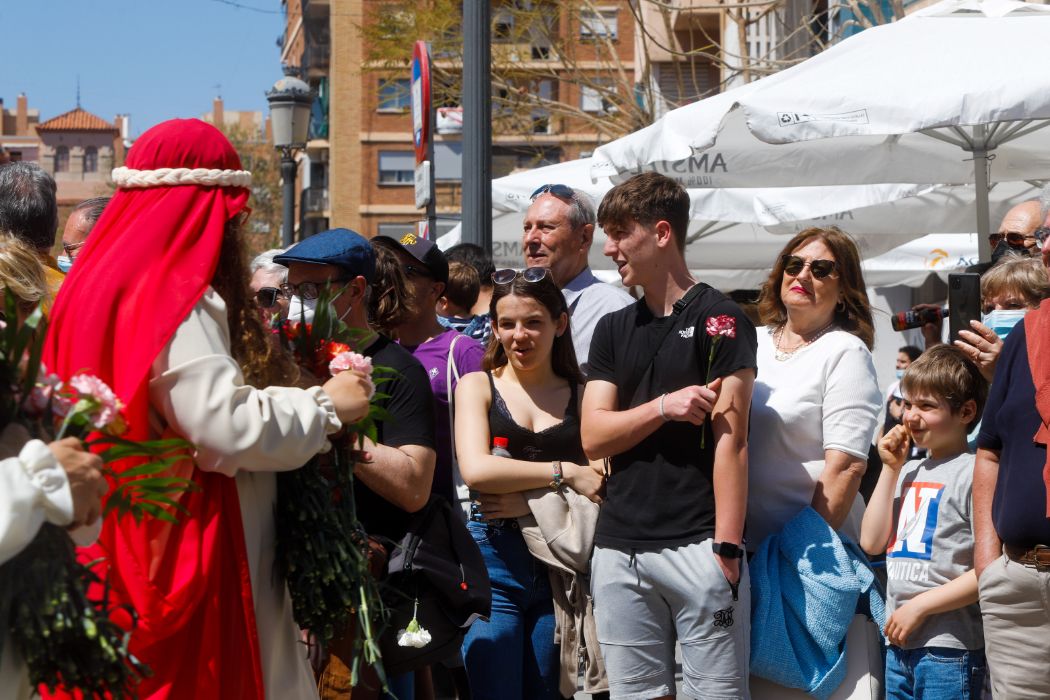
point(1013, 238)
point(560, 191)
point(819, 268)
point(267, 297)
point(529, 274)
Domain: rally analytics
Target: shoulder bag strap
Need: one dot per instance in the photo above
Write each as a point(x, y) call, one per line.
point(462, 493)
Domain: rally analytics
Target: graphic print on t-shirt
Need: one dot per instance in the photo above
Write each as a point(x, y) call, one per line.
point(916, 525)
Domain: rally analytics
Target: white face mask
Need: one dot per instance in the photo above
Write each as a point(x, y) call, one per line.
point(1002, 321)
point(300, 309)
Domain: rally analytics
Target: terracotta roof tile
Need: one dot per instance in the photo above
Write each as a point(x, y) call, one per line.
point(76, 120)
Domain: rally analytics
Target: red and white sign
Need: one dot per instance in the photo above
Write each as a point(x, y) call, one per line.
point(421, 99)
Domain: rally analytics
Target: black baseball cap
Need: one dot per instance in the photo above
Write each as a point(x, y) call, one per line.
point(426, 252)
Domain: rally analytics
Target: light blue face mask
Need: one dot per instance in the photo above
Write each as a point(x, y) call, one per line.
point(900, 374)
point(1003, 321)
point(64, 263)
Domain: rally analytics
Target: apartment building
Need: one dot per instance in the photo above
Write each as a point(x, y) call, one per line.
point(568, 76)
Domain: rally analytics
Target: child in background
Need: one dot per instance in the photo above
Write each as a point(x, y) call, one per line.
point(461, 293)
point(919, 515)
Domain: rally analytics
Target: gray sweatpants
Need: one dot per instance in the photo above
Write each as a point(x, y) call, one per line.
point(646, 600)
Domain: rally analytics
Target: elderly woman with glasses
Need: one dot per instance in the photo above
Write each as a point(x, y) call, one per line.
point(816, 402)
point(526, 401)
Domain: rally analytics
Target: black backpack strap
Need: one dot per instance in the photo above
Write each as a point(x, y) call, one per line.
point(676, 310)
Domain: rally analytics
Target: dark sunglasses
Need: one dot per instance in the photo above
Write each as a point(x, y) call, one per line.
point(529, 274)
point(267, 297)
point(72, 248)
point(1013, 238)
point(560, 191)
point(417, 271)
point(793, 265)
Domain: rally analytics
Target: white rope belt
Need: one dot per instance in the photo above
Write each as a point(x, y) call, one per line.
point(169, 177)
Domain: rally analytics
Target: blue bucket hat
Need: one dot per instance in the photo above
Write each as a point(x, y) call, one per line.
point(341, 247)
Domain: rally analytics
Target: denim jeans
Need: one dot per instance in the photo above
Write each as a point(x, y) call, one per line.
point(513, 655)
point(934, 673)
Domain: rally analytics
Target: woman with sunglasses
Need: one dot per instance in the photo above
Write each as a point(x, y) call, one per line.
point(816, 403)
point(528, 394)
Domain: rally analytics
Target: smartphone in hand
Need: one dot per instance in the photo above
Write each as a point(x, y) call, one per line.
point(964, 302)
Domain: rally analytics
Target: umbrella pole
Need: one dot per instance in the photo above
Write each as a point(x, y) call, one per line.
point(980, 183)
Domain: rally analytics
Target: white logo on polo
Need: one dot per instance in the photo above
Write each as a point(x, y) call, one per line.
point(687, 332)
point(433, 372)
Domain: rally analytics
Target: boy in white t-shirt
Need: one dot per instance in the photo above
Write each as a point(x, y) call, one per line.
point(919, 515)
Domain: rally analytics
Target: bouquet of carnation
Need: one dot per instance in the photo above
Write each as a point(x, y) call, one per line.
point(322, 548)
point(65, 637)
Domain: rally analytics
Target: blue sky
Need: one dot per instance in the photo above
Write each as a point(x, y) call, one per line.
point(153, 59)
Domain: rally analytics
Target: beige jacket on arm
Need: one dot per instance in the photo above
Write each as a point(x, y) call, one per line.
point(560, 533)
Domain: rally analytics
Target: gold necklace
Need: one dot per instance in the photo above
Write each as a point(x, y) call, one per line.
point(783, 355)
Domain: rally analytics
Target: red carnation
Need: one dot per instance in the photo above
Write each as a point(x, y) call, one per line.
point(721, 325)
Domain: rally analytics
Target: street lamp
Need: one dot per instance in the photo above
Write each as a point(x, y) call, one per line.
point(290, 100)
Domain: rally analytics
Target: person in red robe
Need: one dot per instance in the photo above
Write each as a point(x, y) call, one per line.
point(158, 307)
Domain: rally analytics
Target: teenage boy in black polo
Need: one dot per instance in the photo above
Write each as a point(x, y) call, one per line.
point(669, 403)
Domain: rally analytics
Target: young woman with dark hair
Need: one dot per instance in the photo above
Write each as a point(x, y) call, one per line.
point(528, 394)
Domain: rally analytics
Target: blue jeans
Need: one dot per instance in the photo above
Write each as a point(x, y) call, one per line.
point(934, 673)
point(513, 655)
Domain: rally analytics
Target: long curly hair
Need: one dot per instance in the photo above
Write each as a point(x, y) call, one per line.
point(854, 314)
point(389, 304)
point(262, 363)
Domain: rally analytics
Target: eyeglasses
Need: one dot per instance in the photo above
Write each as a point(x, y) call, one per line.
point(309, 290)
point(561, 191)
point(267, 297)
point(529, 274)
point(793, 265)
point(1013, 239)
point(72, 248)
point(1041, 233)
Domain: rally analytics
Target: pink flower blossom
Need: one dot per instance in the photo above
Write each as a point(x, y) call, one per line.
point(721, 325)
point(103, 404)
point(355, 362)
point(47, 387)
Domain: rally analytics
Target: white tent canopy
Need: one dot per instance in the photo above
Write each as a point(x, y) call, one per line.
point(916, 101)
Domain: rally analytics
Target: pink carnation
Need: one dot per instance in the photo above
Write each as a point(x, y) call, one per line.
point(108, 405)
point(721, 325)
point(46, 388)
point(355, 362)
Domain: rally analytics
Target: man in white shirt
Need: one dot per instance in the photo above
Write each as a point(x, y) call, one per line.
point(558, 230)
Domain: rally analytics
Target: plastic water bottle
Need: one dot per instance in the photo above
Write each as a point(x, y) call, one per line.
point(499, 449)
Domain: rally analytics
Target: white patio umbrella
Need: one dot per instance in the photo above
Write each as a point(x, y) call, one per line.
point(736, 233)
point(925, 99)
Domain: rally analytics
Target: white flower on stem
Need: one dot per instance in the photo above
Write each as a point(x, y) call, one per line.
point(414, 635)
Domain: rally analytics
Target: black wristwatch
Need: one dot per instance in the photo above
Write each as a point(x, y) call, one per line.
point(727, 549)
